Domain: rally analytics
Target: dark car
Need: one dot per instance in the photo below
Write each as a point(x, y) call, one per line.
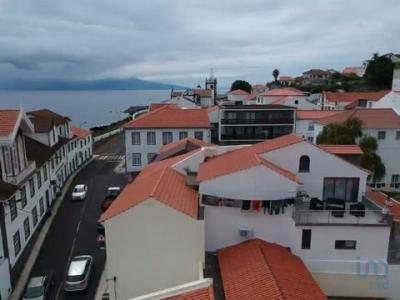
point(111, 193)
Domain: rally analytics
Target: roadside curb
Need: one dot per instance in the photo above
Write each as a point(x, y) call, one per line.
point(26, 272)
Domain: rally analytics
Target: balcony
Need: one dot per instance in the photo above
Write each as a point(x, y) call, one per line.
point(264, 121)
point(20, 177)
point(372, 215)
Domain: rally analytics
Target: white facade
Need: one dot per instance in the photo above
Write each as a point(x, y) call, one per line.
point(299, 102)
point(152, 247)
point(146, 151)
point(5, 282)
point(182, 102)
point(305, 129)
point(390, 100)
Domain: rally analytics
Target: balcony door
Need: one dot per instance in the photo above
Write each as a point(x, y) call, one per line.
point(341, 188)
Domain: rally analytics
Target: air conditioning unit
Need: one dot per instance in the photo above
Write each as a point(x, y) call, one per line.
point(245, 232)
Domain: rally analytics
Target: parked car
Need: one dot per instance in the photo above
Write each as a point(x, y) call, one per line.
point(79, 272)
point(38, 287)
point(111, 193)
point(79, 192)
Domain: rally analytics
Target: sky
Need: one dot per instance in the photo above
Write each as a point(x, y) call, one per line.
point(180, 41)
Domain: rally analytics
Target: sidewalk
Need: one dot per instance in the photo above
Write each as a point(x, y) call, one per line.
point(25, 274)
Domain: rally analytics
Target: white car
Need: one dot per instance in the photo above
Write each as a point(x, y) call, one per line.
point(79, 272)
point(79, 192)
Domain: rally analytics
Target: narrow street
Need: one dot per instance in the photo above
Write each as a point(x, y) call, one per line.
point(74, 230)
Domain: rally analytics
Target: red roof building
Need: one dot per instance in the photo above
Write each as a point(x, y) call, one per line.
point(180, 147)
point(314, 114)
point(171, 116)
point(238, 92)
point(283, 92)
point(342, 149)
point(80, 133)
point(382, 200)
point(8, 121)
point(259, 270)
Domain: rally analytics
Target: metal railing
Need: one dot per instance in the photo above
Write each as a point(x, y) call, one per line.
point(341, 217)
point(258, 121)
point(18, 178)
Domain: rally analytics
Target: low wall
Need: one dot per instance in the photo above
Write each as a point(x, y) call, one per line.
point(106, 135)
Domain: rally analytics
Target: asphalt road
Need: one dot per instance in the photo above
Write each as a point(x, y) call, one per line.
point(74, 230)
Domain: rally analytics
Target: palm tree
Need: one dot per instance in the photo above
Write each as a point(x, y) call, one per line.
point(275, 73)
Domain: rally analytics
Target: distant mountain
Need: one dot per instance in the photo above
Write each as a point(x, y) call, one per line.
point(82, 85)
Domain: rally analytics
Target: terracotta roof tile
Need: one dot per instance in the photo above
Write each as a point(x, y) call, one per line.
point(44, 119)
point(371, 118)
point(314, 114)
point(342, 149)
point(154, 106)
point(8, 120)
point(159, 181)
point(283, 92)
point(171, 117)
point(380, 198)
point(238, 92)
point(247, 157)
point(179, 147)
point(286, 78)
point(260, 270)
point(80, 133)
point(199, 294)
point(354, 96)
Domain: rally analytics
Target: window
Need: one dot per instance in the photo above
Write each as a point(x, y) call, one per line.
point(296, 102)
point(311, 126)
point(135, 138)
point(151, 138)
point(136, 159)
point(81, 143)
point(27, 228)
point(306, 239)
point(183, 135)
point(34, 216)
point(166, 137)
point(23, 196)
point(381, 135)
point(396, 178)
point(45, 173)
point(198, 135)
point(150, 157)
point(341, 188)
point(41, 206)
point(304, 164)
point(39, 179)
point(397, 135)
point(31, 187)
point(52, 164)
point(17, 243)
point(345, 244)
point(13, 208)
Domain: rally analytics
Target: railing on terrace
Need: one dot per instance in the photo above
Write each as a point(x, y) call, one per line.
point(17, 179)
point(305, 216)
point(258, 121)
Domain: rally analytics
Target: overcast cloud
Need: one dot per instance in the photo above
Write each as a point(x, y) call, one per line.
point(179, 41)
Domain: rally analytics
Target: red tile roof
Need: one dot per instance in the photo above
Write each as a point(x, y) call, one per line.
point(171, 116)
point(44, 119)
point(371, 118)
point(184, 145)
point(316, 72)
point(259, 270)
point(352, 70)
point(159, 181)
point(199, 294)
point(247, 157)
point(342, 149)
point(380, 199)
point(154, 106)
point(8, 121)
point(283, 92)
point(238, 92)
point(353, 96)
point(202, 92)
point(286, 78)
point(80, 133)
point(314, 114)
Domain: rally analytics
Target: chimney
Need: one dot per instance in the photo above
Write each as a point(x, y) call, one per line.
point(396, 77)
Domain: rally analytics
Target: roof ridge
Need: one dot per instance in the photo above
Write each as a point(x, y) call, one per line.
point(153, 191)
point(259, 245)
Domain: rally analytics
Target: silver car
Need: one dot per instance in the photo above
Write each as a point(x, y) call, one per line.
point(38, 287)
point(78, 275)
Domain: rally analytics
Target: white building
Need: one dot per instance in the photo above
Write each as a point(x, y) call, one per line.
point(285, 191)
point(349, 100)
point(34, 167)
point(384, 125)
point(285, 96)
point(237, 95)
point(83, 145)
point(145, 135)
point(392, 99)
point(154, 233)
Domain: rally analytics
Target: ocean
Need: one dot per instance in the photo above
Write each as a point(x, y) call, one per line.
point(85, 108)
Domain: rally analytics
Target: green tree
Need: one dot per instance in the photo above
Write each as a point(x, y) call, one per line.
point(275, 73)
point(348, 133)
point(370, 159)
point(241, 85)
point(379, 71)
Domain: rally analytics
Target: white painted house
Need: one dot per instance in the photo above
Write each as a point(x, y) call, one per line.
point(384, 125)
point(145, 135)
point(285, 96)
point(154, 233)
point(34, 167)
point(392, 99)
point(349, 100)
